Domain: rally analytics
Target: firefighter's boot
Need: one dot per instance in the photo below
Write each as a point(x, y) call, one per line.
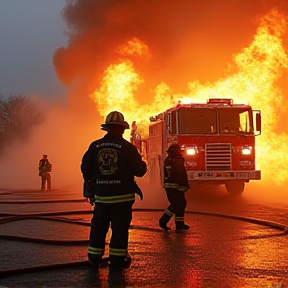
point(180, 225)
point(94, 260)
point(163, 221)
point(119, 262)
point(127, 262)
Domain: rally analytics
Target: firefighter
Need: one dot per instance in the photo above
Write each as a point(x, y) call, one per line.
point(175, 184)
point(133, 134)
point(45, 168)
point(111, 163)
point(135, 137)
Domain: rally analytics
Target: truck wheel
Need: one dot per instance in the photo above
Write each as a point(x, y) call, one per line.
point(235, 187)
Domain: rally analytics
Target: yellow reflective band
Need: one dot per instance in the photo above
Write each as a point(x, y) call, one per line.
point(118, 252)
point(174, 186)
point(179, 219)
point(168, 213)
point(115, 199)
point(171, 185)
point(95, 251)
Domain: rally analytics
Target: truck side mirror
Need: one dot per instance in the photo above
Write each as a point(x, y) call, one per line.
point(258, 121)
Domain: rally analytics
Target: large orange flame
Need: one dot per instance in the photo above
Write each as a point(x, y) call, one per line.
point(252, 79)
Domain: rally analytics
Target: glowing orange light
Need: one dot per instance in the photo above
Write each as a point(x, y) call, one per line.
point(257, 69)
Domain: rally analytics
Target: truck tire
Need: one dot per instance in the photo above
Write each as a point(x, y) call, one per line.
point(235, 187)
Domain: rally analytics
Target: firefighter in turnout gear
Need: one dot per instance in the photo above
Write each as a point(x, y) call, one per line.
point(44, 169)
point(175, 184)
point(111, 163)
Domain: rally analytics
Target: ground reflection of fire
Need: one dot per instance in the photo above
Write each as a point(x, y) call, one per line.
point(252, 79)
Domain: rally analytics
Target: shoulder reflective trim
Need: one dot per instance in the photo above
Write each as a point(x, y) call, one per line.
point(115, 199)
point(168, 212)
point(95, 251)
point(118, 252)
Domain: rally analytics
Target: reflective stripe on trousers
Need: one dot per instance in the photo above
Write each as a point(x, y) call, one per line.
point(118, 216)
point(96, 251)
point(118, 252)
point(115, 199)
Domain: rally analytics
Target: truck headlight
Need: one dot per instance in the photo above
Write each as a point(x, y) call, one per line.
point(190, 150)
point(246, 150)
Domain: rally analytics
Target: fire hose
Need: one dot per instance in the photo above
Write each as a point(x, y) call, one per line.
point(51, 216)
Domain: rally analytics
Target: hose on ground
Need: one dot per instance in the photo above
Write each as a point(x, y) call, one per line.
point(51, 216)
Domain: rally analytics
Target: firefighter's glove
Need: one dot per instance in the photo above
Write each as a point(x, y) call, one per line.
point(92, 201)
point(138, 191)
point(89, 189)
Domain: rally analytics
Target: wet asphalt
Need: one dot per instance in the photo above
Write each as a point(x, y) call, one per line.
point(230, 243)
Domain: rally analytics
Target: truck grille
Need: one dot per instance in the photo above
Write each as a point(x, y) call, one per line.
point(218, 156)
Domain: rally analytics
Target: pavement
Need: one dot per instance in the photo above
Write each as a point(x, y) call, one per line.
point(44, 238)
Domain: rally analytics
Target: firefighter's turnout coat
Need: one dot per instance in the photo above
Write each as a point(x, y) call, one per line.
point(111, 164)
point(44, 169)
point(176, 184)
point(175, 175)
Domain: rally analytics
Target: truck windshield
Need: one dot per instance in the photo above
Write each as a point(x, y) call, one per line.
point(215, 120)
point(235, 121)
point(197, 121)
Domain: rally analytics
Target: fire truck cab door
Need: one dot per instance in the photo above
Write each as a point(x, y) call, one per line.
point(171, 122)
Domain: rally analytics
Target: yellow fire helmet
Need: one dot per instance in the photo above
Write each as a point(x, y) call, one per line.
point(115, 118)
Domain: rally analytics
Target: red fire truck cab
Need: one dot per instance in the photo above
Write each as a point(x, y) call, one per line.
point(217, 139)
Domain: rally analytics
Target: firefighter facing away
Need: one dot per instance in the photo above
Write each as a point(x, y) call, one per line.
point(175, 184)
point(110, 164)
point(45, 168)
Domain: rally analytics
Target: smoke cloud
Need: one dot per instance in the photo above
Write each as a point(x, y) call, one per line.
point(63, 137)
point(186, 41)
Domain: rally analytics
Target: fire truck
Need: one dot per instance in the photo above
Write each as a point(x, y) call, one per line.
point(217, 139)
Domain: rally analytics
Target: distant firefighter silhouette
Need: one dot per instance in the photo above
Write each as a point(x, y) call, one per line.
point(45, 168)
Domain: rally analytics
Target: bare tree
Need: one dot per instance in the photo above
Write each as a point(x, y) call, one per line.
point(17, 116)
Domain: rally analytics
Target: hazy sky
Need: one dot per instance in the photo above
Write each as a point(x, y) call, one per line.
point(30, 32)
